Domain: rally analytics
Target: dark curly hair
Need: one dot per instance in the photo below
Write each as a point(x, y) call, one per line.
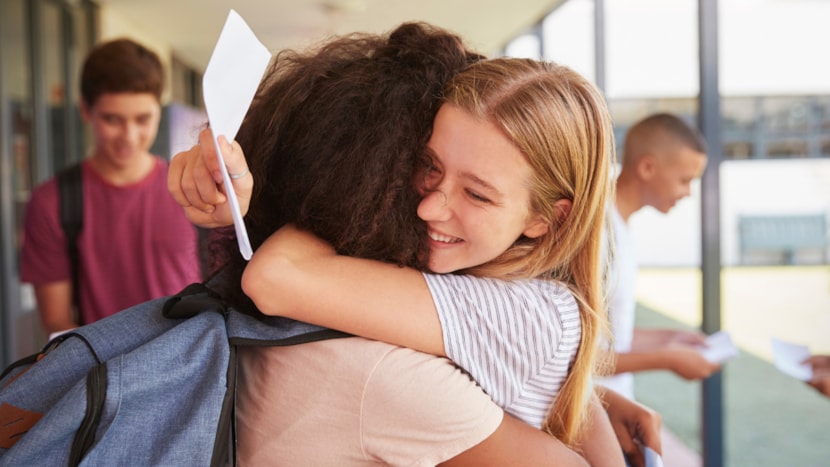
point(333, 139)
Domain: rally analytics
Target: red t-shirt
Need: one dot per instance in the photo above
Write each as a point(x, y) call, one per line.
point(136, 243)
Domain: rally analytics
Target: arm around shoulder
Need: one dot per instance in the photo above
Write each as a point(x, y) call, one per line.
point(297, 275)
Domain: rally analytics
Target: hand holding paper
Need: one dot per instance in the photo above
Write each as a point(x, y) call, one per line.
point(652, 458)
point(229, 85)
point(789, 358)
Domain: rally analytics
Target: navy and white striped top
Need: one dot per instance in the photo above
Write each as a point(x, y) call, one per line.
point(517, 339)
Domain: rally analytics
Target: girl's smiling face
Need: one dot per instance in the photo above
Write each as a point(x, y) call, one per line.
point(476, 193)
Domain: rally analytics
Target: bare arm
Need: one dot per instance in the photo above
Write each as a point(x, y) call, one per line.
point(54, 303)
point(666, 349)
point(515, 443)
point(655, 338)
point(687, 363)
point(297, 275)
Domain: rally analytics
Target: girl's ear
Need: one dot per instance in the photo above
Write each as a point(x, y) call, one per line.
point(540, 226)
point(536, 228)
point(562, 208)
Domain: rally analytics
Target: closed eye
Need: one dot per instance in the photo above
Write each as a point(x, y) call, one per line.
point(479, 198)
point(430, 173)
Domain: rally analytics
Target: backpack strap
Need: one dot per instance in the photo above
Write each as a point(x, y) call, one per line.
point(71, 195)
point(192, 300)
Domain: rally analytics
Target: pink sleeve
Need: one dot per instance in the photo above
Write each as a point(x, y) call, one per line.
point(43, 255)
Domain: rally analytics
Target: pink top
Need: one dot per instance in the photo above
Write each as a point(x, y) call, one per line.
point(136, 243)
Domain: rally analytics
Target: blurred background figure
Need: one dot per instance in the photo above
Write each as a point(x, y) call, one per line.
point(135, 243)
point(661, 157)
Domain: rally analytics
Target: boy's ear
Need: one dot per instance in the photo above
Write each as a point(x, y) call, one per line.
point(646, 166)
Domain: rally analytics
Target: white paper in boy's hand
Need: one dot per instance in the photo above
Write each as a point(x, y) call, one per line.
point(719, 347)
point(652, 458)
point(788, 357)
point(229, 84)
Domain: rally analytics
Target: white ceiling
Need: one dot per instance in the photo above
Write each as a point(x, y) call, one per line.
point(192, 27)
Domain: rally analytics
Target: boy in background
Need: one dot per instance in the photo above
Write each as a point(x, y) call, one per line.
point(661, 157)
point(136, 243)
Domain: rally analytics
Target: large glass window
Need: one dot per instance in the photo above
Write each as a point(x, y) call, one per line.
point(739, 117)
point(571, 24)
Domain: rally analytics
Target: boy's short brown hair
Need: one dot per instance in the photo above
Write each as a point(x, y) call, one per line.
point(121, 66)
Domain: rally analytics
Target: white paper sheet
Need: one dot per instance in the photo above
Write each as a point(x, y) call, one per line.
point(652, 458)
point(788, 356)
point(229, 84)
point(720, 347)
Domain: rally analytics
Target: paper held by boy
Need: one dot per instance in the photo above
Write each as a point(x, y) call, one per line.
point(719, 347)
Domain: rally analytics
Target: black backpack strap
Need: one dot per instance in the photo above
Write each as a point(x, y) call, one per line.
point(71, 195)
point(192, 300)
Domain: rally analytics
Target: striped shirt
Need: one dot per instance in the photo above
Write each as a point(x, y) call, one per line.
point(517, 339)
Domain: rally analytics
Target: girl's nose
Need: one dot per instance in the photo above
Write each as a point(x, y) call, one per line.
point(434, 207)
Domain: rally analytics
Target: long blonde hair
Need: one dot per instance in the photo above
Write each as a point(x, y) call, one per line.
point(560, 123)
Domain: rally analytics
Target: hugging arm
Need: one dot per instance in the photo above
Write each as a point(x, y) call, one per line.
point(297, 275)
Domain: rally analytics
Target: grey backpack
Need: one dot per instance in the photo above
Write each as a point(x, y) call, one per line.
point(151, 385)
